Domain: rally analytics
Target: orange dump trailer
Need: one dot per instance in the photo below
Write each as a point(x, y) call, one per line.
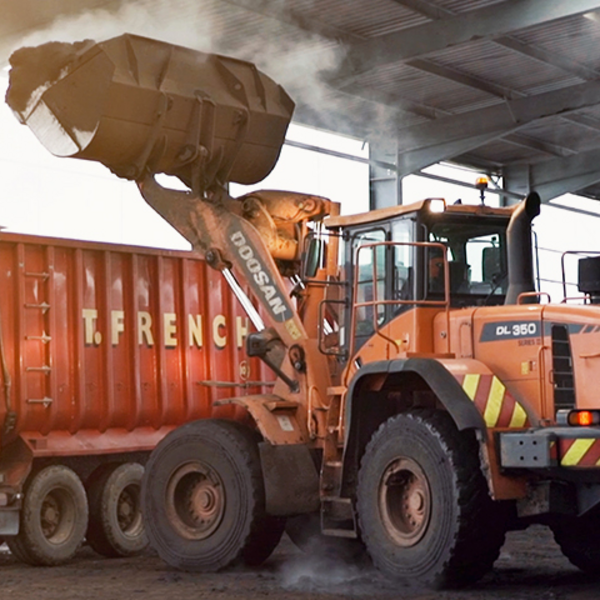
point(104, 349)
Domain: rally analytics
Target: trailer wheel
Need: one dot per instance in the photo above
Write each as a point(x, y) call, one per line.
point(53, 518)
point(203, 498)
point(579, 540)
point(423, 505)
point(116, 527)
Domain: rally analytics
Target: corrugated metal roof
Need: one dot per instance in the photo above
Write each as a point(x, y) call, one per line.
point(460, 6)
point(353, 16)
point(576, 39)
point(493, 63)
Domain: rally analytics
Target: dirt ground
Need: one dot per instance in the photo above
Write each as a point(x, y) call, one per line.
point(530, 567)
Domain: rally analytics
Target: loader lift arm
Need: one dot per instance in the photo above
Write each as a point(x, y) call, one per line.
point(218, 226)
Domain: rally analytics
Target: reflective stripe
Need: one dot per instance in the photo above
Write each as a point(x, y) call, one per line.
point(576, 452)
point(494, 403)
point(470, 385)
point(519, 416)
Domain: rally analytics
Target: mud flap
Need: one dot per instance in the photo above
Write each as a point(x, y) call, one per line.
point(9, 522)
point(291, 479)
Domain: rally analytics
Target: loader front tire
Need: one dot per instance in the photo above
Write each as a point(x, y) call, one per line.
point(203, 498)
point(423, 505)
point(579, 540)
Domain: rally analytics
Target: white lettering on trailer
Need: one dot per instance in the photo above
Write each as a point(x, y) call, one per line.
point(170, 329)
point(118, 328)
point(90, 335)
point(242, 327)
point(145, 328)
point(195, 327)
point(219, 324)
point(117, 321)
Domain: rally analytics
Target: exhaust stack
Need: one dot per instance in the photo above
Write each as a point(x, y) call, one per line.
point(520, 260)
point(138, 105)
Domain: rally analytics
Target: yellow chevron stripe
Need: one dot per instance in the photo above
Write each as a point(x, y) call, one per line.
point(470, 385)
point(519, 416)
point(576, 452)
point(494, 403)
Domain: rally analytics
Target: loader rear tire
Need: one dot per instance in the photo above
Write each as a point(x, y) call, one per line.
point(423, 505)
point(579, 540)
point(54, 518)
point(116, 527)
point(203, 498)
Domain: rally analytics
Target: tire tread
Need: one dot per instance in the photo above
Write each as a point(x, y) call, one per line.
point(479, 534)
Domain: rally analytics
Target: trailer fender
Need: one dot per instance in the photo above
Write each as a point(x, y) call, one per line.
point(276, 419)
point(290, 477)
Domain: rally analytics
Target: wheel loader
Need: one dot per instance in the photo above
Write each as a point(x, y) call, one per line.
point(427, 399)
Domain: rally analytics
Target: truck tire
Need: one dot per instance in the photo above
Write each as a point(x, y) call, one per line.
point(116, 527)
point(424, 510)
point(53, 518)
point(264, 541)
point(203, 498)
point(579, 540)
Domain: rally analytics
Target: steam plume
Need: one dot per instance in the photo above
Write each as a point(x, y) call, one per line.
point(297, 59)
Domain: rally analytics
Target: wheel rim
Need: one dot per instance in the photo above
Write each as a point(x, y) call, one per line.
point(405, 501)
point(57, 516)
point(129, 513)
point(195, 500)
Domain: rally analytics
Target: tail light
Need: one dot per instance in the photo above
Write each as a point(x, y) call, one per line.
point(578, 418)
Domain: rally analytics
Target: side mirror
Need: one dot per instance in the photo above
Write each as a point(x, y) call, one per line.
point(492, 266)
point(314, 255)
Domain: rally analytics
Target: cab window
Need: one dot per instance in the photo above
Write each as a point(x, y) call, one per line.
point(371, 278)
point(476, 257)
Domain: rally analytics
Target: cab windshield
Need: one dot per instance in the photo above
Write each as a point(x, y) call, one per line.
point(476, 254)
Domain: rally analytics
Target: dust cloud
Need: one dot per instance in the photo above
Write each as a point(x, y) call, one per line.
point(301, 61)
point(316, 573)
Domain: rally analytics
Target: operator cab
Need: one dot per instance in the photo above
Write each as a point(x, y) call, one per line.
point(395, 260)
point(404, 254)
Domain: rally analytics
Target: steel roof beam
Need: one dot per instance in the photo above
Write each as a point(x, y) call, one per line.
point(485, 23)
point(550, 58)
point(566, 175)
point(428, 143)
point(553, 150)
point(426, 8)
point(501, 118)
point(585, 121)
point(494, 90)
point(465, 79)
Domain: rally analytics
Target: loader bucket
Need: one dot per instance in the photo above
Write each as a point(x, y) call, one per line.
point(138, 105)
